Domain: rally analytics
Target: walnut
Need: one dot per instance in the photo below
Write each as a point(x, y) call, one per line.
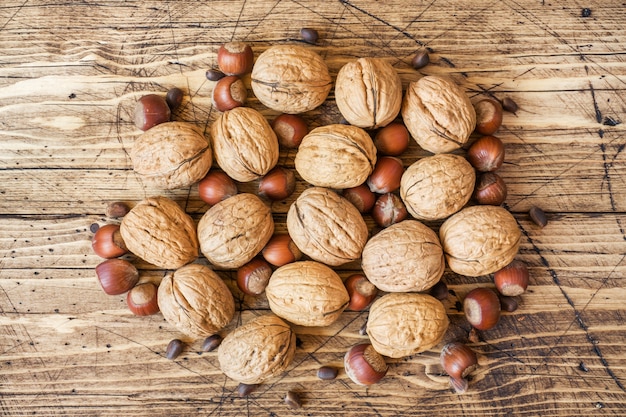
point(437, 186)
point(480, 240)
point(261, 349)
point(336, 156)
point(161, 233)
point(307, 293)
point(438, 114)
point(245, 145)
point(403, 324)
point(290, 79)
point(406, 256)
point(368, 92)
point(171, 155)
point(195, 300)
point(234, 230)
point(326, 227)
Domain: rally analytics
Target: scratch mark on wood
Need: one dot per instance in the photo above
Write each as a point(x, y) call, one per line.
point(607, 178)
point(595, 104)
point(243, 6)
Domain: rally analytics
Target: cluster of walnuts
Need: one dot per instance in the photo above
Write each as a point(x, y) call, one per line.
point(404, 260)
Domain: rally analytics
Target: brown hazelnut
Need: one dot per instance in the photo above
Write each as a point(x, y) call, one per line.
point(229, 92)
point(211, 343)
point(214, 74)
point(538, 216)
point(117, 209)
point(386, 175)
point(290, 129)
point(364, 365)
point(117, 276)
point(488, 116)
point(278, 184)
point(482, 308)
point(512, 280)
point(107, 242)
point(420, 59)
point(215, 187)
point(235, 58)
point(151, 110)
point(280, 250)
point(174, 98)
point(389, 209)
point(309, 35)
point(486, 154)
point(174, 348)
point(490, 189)
point(392, 139)
point(509, 105)
point(361, 197)
point(458, 360)
point(142, 299)
point(361, 291)
point(252, 278)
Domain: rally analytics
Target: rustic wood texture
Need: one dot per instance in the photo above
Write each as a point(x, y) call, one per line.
point(70, 73)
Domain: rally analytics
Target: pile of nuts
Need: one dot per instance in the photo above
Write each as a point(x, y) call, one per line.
point(352, 169)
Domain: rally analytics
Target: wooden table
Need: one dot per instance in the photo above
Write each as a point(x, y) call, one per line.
point(70, 74)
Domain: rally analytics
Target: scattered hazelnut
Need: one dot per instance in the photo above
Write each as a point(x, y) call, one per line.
point(364, 365)
point(488, 116)
point(252, 278)
point(107, 242)
point(246, 389)
point(174, 349)
point(215, 187)
point(389, 209)
point(327, 373)
point(280, 250)
point(174, 98)
point(361, 197)
point(392, 139)
point(538, 216)
point(117, 276)
point(439, 291)
point(292, 399)
point(142, 299)
point(482, 308)
point(211, 343)
point(151, 110)
point(278, 184)
point(235, 58)
point(290, 129)
point(214, 74)
point(458, 360)
point(508, 304)
point(509, 105)
point(309, 35)
point(420, 60)
point(486, 154)
point(361, 291)
point(229, 92)
point(513, 279)
point(490, 189)
point(117, 209)
point(386, 175)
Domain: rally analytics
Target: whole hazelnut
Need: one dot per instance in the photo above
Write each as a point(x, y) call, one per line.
point(252, 278)
point(229, 92)
point(486, 154)
point(364, 365)
point(280, 250)
point(361, 197)
point(490, 189)
point(142, 299)
point(117, 276)
point(513, 279)
point(392, 139)
point(482, 308)
point(107, 242)
point(235, 58)
point(290, 129)
point(386, 175)
point(361, 291)
point(389, 209)
point(151, 110)
point(488, 116)
point(215, 187)
point(278, 184)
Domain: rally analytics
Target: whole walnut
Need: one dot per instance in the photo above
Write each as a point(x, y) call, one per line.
point(261, 349)
point(480, 240)
point(195, 300)
point(336, 156)
point(438, 114)
point(234, 231)
point(326, 227)
point(437, 186)
point(244, 143)
point(290, 79)
point(403, 324)
point(158, 231)
point(171, 155)
point(404, 257)
point(307, 293)
point(368, 92)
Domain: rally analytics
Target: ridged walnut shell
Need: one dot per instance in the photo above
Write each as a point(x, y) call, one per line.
point(307, 293)
point(244, 144)
point(261, 349)
point(368, 92)
point(196, 301)
point(403, 324)
point(158, 231)
point(172, 155)
point(290, 79)
point(480, 240)
point(438, 114)
point(437, 186)
point(336, 156)
point(234, 231)
point(326, 227)
point(404, 257)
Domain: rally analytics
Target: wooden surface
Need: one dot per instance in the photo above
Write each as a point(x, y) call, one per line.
point(70, 73)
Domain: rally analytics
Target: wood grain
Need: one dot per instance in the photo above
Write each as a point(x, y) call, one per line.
point(70, 74)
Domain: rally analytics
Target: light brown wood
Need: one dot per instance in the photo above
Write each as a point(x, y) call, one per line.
point(70, 73)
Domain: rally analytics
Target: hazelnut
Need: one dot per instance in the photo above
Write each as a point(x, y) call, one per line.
point(290, 129)
point(513, 279)
point(253, 277)
point(361, 291)
point(216, 186)
point(142, 299)
point(228, 93)
point(278, 184)
point(386, 175)
point(482, 308)
point(235, 58)
point(280, 250)
point(117, 276)
point(363, 365)
point(389, 209)
point(458, 360)
point(392, 139)
point(488, 116)
point(486, 154)
point(151, 110)
point(361, 197)
point(107, 242)
point(174, 98)
point(490, 189)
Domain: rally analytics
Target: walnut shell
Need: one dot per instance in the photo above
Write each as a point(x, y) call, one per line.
point(234, 231)
point(403, 324)
point(172, 155)
point(480, 240)
point(336, 156)
point(244, 144)
point(161, 233)
point(438, 114)
point(437, 186)
point(196, 301)
point(260, 349)
point(290, 79)
point(368, 92)
point(406, 256)
point(307, 293)
point(326, 227)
